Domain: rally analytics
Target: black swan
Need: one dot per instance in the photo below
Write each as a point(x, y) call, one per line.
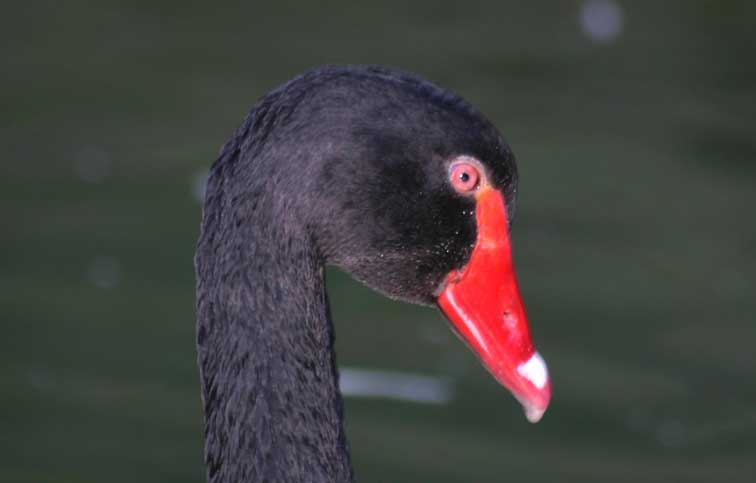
point(400, 183)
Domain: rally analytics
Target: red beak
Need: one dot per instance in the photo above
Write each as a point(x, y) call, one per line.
point(483, 303)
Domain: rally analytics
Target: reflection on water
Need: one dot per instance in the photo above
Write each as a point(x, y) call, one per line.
point(104, 272)
point(399, 386)
point(601, 20)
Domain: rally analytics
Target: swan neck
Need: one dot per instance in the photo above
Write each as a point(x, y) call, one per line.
point(273, 411)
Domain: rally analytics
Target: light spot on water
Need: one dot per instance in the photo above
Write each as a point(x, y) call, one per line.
point(104, 272)
point(601, 20)
point(399, 386)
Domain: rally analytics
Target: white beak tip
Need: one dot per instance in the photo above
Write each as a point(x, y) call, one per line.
point(534, 414)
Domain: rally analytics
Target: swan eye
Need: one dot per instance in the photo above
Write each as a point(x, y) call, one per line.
point(464, 177)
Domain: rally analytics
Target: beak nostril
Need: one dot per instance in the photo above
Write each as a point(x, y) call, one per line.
point(509, 320)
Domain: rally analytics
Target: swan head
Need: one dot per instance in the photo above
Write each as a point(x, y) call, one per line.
point(411, 190)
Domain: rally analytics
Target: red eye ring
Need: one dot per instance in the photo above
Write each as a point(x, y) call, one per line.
point(464, 177)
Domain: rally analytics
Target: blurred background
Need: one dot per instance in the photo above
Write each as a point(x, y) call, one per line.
point(635, 128)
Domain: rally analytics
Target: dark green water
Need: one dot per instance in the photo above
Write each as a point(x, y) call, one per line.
point(635, 240)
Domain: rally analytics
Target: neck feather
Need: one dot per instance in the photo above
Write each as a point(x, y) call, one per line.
point(273, 411)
